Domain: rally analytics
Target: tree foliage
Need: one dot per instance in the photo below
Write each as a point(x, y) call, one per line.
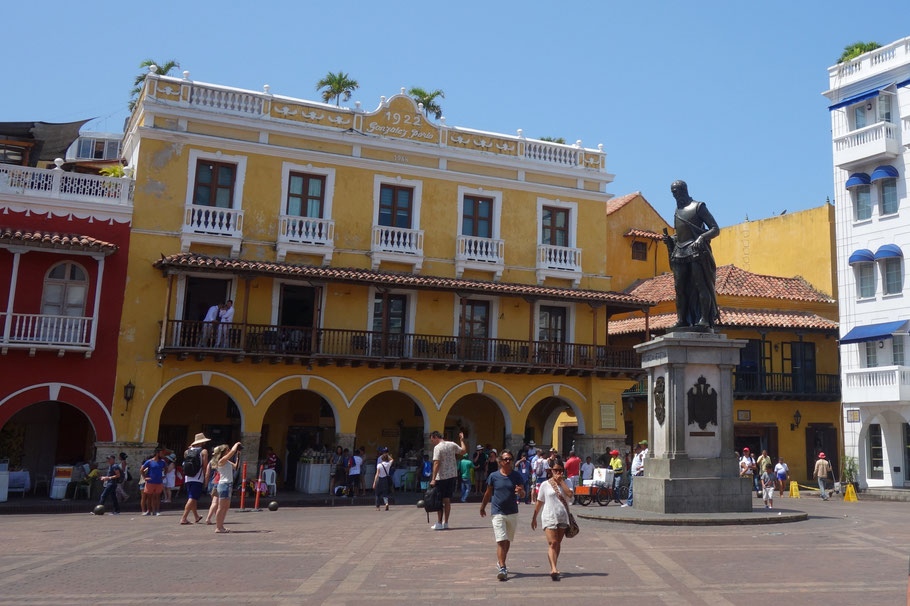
point(554, 140)
point(337, 86)
point(852, 51)
point(164, 69)
point(428, 98)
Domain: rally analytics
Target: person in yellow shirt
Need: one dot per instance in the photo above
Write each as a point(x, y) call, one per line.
point(616, 463)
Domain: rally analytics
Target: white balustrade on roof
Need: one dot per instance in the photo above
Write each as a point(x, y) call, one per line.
point(55, 183)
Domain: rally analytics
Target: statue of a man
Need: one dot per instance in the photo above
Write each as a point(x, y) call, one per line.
point(692, 262)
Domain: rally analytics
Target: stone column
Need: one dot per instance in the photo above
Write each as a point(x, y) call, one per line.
point(345, 440)
point(250, 455)
point(136, 454)
point(514, 442)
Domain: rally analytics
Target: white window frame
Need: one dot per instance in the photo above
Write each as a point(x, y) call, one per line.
point(881, 197)
point(883, 267)
point(870, 357)
point(329, 173)
point(858, 269)
point(239, 176)
point(276, 299)
point(495, 212)
point(494, 314)
point(897, 350)
point(66, 281)
point(181, 290)
point(573, 219)
point(570, 319)
point(412, 307)
point(397, 181)
point(854, 196)
point(853, 121)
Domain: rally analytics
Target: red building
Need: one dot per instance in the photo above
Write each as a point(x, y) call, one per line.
point(63, 254)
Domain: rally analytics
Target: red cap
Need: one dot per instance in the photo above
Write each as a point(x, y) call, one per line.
point(746, 450)
point(614, 452)
point(821, 455)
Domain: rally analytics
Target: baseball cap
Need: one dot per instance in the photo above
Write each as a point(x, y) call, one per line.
point(746, 450)
point(821, 455)
point(614, 452)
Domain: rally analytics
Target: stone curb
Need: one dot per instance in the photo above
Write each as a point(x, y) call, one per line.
point(721, 520)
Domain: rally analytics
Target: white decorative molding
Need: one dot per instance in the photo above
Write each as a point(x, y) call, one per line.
point(339, 120)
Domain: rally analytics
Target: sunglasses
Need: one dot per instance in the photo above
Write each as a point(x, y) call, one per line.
point(505, 459)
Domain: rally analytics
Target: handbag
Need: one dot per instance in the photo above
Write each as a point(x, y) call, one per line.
point(572, 529)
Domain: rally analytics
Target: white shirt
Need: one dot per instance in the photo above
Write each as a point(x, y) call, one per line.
point(532, 450)
point(781, 468)
point(355, 467)
point(638, 464)
point(553, 511)
point(587, 471)
point(227, 315)
point(540, 466)
point(211, 314)
point(744, 464)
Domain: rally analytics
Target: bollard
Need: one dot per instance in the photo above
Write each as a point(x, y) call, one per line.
point(242, 486)
point(258, 485)
point(794, 490)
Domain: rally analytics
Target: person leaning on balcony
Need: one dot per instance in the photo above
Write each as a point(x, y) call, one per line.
point(212, 317)
point(822, 469)
point(225, 318)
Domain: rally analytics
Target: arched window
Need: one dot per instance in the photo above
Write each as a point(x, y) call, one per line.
point(65, 288)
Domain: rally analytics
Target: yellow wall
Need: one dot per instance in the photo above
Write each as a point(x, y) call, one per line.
point(636, 214)
point(756, 246)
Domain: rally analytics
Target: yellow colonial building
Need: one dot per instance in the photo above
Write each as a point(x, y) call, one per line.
point(388, 276)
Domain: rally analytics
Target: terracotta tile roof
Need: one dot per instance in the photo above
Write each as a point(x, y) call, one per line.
point(198, 262)
point(643, 233)
point(735, 282)
point(614, 204)
point(47, 239)
point(729, 317)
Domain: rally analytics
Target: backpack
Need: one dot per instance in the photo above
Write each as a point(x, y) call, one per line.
point(192, 462)
point(432, 500)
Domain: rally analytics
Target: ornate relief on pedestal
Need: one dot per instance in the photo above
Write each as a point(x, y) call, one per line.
point(702, 400)
point(660, 405)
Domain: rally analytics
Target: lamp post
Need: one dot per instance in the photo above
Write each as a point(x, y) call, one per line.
point(796, 419)
point(129, 390)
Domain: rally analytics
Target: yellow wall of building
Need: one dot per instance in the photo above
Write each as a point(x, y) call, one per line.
point(636, 214)
point(756, 246)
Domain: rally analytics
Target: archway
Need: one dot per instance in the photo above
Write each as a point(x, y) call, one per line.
point(552, 421)
point(199, 409)
point(295, 422)
point(482, 420)
point(45, 434)
point(394, 420)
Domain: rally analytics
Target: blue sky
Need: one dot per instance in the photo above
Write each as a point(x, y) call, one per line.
point(725, 95)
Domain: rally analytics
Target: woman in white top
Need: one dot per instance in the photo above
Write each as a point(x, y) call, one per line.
point(222, 462)
point(382, 481)
point(170, 477)
point(554, 515)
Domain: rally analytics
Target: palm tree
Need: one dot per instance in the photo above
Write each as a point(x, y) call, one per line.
point(856, 49)
point(336, 85)
point(164, 68)
point(554, 140)
point(429, 100)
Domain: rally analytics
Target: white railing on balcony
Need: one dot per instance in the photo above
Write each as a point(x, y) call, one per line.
point(306, 230)
point(55, 183)
point(876, 61)
point(213, 221)
point(473, 248)
point(226, 99)
point(880, 384)
point(906, 121)
point(46, 330)
point(558, 257)
point(868, 134)
point(554, 153)
point(398, 240)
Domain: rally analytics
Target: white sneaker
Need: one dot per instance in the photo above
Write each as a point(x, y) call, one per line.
point(437, 526)
point(624, 505)
point(445, 525)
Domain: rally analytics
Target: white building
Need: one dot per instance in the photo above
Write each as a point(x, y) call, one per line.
point(870, 125)
point(93, 145)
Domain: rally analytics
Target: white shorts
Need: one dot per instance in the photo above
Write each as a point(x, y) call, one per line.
point(504, 526)
point(767, 494)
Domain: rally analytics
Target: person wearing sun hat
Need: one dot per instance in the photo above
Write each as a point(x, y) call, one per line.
point(195, 483)
point(822, 469)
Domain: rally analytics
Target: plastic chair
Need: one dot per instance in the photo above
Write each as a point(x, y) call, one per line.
point(407, 480)
point(42, 478)
point(270, 479)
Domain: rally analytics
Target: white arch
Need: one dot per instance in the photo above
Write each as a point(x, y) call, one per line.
point(478, 383)
point(206, 376)
point(54, 390)
point(395, 382)
point(306, 386)
point(556, 388)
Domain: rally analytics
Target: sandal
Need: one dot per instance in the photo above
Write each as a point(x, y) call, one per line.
point(186, 523)
point(198, 519)
point(222, 531)
point(554, 576)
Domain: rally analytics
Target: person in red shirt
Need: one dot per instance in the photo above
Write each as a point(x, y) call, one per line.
point(573, 468)
point(271, 459)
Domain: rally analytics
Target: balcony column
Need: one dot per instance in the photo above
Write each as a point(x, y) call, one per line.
point(317, 312)
point(531, 331)
point(246, 311)
point(100, 260)
point(8, 321)
point(167, 311)
point(385, 323)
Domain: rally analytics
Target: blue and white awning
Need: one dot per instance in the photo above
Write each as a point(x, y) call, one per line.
point(857, 179)
point(874, 332)
point(863, 255)
point(889, 251)
point(885, 171)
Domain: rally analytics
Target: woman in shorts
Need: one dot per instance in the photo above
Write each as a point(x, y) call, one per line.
point(554, 516)
point(782, 473)
point(222, 461)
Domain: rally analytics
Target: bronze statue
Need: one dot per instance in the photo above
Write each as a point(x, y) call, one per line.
point(692, 262)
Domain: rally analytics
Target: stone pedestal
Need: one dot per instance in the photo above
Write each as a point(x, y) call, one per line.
point(691, 466)
point(345, 440)
point(250, 455)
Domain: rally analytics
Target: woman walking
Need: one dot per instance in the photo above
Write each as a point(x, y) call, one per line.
point(554, 513)
point(382, 481)
point(223, 463)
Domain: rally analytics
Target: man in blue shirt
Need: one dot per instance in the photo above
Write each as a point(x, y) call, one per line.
point(153, 472)
point(111, 480)
point(523, 467)
point(502, 486)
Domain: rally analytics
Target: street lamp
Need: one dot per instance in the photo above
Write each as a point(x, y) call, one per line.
point(796, 419)
point(129, 390)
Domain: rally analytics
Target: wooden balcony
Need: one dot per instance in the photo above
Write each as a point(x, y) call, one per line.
point(325, 346)
point(768, 386)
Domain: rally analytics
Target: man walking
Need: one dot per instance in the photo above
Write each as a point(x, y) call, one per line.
point(445, 472)
point(822, 469)
point(111, 480)
point(539, 467)
point(616, 463)
point(465, 472)
point(748, 468)
point(195, 460)
point(153, 472)
point(523, 467)
point(637, 469)
point(763, 461)
point(480, 465)
point(502, 486)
